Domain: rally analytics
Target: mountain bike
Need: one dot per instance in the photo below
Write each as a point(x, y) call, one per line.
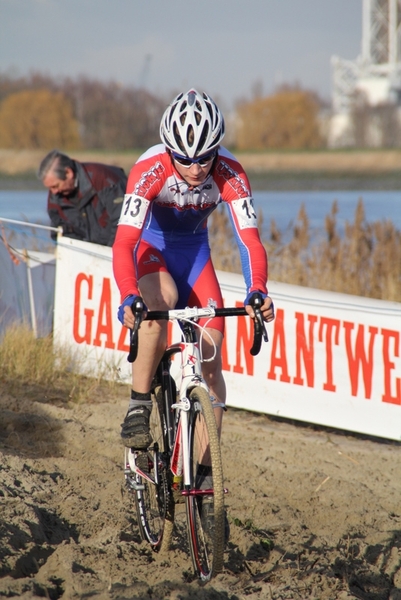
point(183, 462)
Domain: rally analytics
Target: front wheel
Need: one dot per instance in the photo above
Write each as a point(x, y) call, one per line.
point(205, 498)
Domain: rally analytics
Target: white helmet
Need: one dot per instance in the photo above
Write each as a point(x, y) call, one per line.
point(192, 125)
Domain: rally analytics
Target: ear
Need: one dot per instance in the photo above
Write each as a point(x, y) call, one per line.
point(69, 173)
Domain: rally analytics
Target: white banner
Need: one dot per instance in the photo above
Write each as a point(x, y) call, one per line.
point(332, 359)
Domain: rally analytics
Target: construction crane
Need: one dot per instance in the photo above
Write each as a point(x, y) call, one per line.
point(143, 76)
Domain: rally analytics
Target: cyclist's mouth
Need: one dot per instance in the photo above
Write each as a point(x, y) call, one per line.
point(194, 181)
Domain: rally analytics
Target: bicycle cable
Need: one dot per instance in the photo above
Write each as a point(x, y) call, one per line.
point(203, 329)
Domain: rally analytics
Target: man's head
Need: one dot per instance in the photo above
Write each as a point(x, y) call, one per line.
point(57, 173)
point(192, 128)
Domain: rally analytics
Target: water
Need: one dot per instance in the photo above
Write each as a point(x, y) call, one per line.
point(29, 207)
point(24, 206)
point(283, 207)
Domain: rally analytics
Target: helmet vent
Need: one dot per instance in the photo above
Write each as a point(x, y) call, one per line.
point(178, 139)
point(209, 108)
point(190, 136)
point(203, 137)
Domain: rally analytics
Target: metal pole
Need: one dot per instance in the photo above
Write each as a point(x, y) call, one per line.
point(31, 296)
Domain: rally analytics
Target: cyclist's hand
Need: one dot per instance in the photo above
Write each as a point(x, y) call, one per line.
point(267, 307)
point(125, 313)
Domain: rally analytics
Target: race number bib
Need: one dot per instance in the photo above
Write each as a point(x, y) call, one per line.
point(245, 212)
point(134, 211)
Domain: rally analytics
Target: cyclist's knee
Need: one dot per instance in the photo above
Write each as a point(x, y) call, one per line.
point(159, 291)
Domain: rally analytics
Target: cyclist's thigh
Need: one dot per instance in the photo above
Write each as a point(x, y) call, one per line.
point(206, 288)
point(155, 282)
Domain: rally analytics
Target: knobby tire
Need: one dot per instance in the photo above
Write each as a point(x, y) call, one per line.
point(206, 543)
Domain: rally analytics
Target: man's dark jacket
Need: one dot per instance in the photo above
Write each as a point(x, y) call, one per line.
point(92, 211)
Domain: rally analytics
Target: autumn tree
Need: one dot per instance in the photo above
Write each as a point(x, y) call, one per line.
point(109, 115)
point(286, 120)
point(10, 84)
point(35, 119)
point(112, 116)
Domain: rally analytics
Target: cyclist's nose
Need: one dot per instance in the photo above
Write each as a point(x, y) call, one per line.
point(195, 169)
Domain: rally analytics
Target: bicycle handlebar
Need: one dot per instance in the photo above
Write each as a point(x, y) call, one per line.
point(193, 313)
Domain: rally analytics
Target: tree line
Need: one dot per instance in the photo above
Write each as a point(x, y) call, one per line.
point(38, 111)
point(41, 112)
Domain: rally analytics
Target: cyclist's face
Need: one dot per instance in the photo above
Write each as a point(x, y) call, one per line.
point(64, 187)
point(195, 174)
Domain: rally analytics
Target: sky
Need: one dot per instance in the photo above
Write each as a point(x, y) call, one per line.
point(227, 48)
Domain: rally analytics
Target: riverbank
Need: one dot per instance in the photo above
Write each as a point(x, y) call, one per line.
point(362, 170)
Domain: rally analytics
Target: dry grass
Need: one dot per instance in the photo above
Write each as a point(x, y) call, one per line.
point(19, 162)
point(35, 368)
point(365, 260)
point(379, 161)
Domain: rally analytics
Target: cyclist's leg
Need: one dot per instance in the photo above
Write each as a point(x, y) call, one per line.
point(212, 372)
point(159, 293)
point(193, 273)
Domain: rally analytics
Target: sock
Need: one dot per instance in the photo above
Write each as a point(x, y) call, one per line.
point(140, 399)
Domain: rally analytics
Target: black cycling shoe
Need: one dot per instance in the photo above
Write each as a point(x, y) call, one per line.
point(135, 429)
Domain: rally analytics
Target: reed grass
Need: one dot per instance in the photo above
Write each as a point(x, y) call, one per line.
point(365, 260)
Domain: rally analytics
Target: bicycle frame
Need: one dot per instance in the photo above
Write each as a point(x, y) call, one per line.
point(190, 376)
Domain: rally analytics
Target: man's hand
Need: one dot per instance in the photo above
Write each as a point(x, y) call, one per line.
point(125, 313)
point(266, 308)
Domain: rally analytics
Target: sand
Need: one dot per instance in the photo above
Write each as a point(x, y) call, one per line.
point(314, 513)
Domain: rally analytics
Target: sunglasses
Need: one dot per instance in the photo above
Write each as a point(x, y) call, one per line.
point(202, 161)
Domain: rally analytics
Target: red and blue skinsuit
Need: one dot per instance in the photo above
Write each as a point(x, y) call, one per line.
point(163, 226)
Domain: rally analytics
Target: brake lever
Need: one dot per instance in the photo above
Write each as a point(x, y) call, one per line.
point(259, 326)
point(137, 309)
point(259, 318)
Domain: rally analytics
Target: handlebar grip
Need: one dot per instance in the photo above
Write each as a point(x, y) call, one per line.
point(257, 339)
point(133, 346)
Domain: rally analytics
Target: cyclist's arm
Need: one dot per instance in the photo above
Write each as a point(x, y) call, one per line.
point(129, 231)
point(252, 252)
point(143, 185)
point(235, 191)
